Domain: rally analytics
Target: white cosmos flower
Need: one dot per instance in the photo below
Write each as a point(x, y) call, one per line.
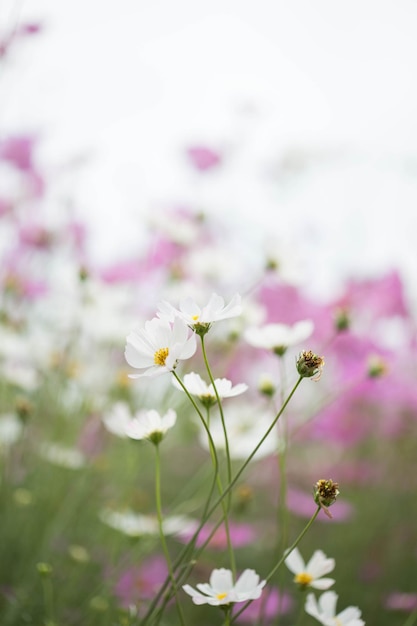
point(310, 575)
point(62, 456)
point(145, 424)
point(325, 611)
point(279, 337)
point(159, 346)
point(196, 386)
point(137, 524)
point(246, 425)
point(193, 315)
point(221, 590)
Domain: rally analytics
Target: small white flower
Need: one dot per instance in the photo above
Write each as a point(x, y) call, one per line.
point(148, 424)
point(221, 589)
point(325, 611)
point(11, 429)
point(197, 317)
point(196, 386)
point(159, 346)
point(145, 424)
point(279, 337)
point(63, 456)
point(310, 575)
point(244, 432)
point(137, 524)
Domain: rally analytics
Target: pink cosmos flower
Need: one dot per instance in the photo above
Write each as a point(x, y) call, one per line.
point(266, 608)
point(139, 583)
point(203, 158)
point(240, 534)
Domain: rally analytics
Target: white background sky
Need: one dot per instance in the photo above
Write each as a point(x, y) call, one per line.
point(329, 83)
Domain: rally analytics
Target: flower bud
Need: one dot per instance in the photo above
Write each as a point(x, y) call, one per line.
point(341, 320)
point(376, 367)
point(310, 365)
point(325, 493)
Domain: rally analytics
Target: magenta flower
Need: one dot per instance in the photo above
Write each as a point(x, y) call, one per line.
point(203, 158)
point(137, 584)
point(240, 534)
point(266, 608)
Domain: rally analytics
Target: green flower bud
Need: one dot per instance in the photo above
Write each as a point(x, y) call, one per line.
point(325, 493)
point(310, 365)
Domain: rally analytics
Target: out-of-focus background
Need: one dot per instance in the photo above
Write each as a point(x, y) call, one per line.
point(155, 150)
point(311, 106)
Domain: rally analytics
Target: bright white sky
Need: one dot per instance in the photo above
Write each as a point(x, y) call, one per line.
point(129, 84)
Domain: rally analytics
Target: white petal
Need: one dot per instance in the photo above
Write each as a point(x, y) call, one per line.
point(221, 580)
point(327, 603)
point(247, 581)
point(349, 614)
point(322, 583)
point(294, 562)
point(198, 598)
point(319, 564)
point(168, 420)
point(311, 607)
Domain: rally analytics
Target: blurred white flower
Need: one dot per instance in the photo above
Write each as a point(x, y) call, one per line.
point(159, 346)
point(63, 456)
point(325, 611)
point(148, 424)
point(196, 386)
point(137, 524)
point(279, 337)
point(310, 575)
point(221, 590)
point(144, 424)
point(246, 426)
point(193, 315)
point(10, 429)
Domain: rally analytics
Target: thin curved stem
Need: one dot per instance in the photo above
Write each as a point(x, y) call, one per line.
point(282, 559)
point(162, 534)
point(227, 504)
point(216, 503)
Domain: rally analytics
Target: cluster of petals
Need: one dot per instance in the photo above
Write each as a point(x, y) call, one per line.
point(311, 574)
point(324, 611)
point(141, 425)
point(192, 314)
point(221, 590)
point(196, 386)
point(159, 346)
point(274, 336)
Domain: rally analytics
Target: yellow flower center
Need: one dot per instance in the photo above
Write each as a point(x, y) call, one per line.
point(195, 318)
point(221, 596)
point(160, 356)
point(303, 579)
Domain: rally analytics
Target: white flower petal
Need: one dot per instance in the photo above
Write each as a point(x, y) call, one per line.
point(295, 562)
point(319, 564)
point(322, 583)
point(221, 580)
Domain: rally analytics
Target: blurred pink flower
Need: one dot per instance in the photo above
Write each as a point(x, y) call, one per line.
point(138, 583)
point(401, 601)
point(302, 504)
point(203, 158)
point(18, 150)
point(266, 608)
point(241, 535)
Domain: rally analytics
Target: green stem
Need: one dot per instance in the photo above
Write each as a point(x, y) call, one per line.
point(412, 618)
point(190, 546)
point(226, 506)
point(210, 511)
point(282, 559)
point(162, 534)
